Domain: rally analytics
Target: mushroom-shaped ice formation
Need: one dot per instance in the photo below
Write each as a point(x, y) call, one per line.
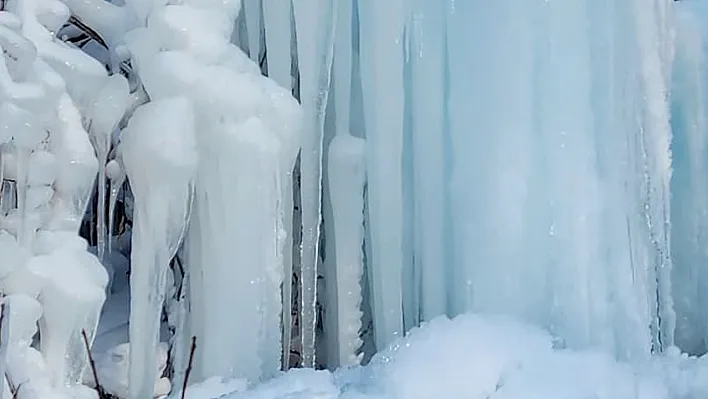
point(159, 154)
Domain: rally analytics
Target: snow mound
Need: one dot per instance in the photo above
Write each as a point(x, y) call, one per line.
point(482, 357)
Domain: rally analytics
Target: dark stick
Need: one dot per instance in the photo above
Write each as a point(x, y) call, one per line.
point(7, 376)
point(189, 366)
point(74, 20)
point(99, 388)
point(16, 391)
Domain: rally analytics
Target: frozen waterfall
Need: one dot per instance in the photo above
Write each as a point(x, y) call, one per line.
point(309, 180)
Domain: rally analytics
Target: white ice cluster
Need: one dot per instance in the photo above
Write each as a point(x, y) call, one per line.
point(246, 146)
point(47, 277)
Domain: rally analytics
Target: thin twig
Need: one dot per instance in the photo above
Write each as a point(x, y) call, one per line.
point(178, 262)
point(189, 366)
point(99, 388)
point(74, 20)
point(10, 385)
point(16, 392)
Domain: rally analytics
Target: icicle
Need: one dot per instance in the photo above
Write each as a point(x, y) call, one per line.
point(381, 37)
point(278, 21)
point(342, 63)
point(314, 21)
point(278, 26)
point(23, 235)
point(27, 134)
point(346, 170)
point(427, 55)
point(116, 176)
point(159, 153)
point(346, 190)
point(253, 10)
point(287, 248)
point(106, 113)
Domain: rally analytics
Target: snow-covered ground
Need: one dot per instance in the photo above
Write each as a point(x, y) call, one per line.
point(485, 357)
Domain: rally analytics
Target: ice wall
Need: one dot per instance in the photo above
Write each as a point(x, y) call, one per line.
point(540, 168)
point(537, 159)
point(689, 119)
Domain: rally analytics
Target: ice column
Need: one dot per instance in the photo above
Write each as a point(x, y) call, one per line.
point(381, 27)
point(159, 154)
point(346, 173)
point(253, 12)
point(247, 142)
point(428, 101)
point(689, 190)
point(314, 22)
point(278, 26)
point(654, 138)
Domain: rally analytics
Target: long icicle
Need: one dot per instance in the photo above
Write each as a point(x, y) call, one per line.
point(346, 173)
point(278, 27)
point(314, 21)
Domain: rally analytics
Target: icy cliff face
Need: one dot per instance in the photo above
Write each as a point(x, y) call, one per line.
point(537, 159)
point(689, 120)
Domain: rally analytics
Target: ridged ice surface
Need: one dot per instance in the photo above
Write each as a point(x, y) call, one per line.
point(401, 160)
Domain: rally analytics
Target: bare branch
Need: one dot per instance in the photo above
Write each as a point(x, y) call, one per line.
point(74, 20)
point(99, 388)
point(189, 366)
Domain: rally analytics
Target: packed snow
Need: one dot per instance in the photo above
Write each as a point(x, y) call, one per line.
point(474, 356)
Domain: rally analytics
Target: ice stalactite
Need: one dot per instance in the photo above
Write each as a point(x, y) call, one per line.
point(253, 10)
point(427, 36)
point(315, 24)
point(346, 175)
point(278, 25)
point(116, 176)
point(381, 27)
point(346, 170)
point(159, 154)
point(104, 115)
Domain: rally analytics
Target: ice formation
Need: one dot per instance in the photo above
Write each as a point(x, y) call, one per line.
point(235, 240)
point(347, 175)
point(540, 160)
point(48, 163)
point(158, 149)
point(315, 26)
